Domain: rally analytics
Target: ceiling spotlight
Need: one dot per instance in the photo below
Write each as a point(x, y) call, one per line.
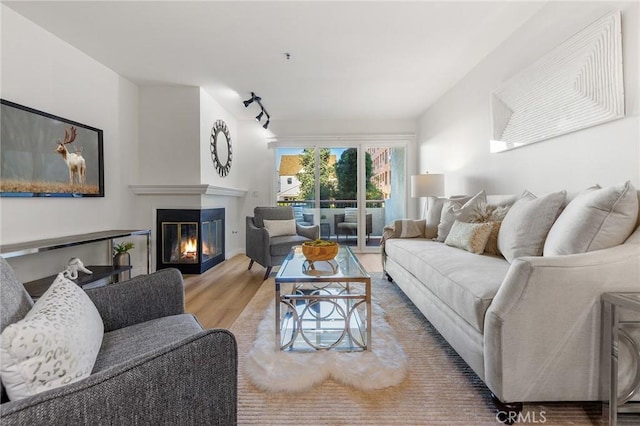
point(263, 112)
point(254, 97)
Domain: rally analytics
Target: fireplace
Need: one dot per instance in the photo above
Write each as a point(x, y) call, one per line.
point(190, 240)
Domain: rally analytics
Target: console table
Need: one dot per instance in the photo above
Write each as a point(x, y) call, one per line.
point(100, 272)
point(613, 335)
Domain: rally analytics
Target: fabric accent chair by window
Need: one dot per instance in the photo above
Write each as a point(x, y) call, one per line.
point(155, 365)
point(347, 223)
point(269, 243)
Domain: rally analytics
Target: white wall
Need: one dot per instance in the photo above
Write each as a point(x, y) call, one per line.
point(169, 135)
point(45, 73)
point(454, 133)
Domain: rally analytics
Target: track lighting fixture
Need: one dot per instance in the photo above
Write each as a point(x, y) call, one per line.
point(257, 99)
point(254, 97)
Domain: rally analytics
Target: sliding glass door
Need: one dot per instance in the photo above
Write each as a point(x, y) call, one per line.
point(351, 192)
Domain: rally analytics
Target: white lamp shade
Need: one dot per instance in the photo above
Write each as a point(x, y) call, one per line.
point(427, 185)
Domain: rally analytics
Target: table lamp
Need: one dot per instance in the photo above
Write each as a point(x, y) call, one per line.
point(427, 185)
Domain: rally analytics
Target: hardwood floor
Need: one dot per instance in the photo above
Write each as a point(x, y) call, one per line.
point(218, 296)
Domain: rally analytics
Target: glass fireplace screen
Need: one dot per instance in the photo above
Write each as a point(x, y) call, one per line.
point(180, 241)
point(211, 239)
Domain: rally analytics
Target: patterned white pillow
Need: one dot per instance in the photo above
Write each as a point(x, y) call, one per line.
point(471, 237)
point(278, 228)
point(55, 344)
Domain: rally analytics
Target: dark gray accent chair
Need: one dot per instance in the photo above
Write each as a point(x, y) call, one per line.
point(156, 365)
point(271, 251)
point(351, 228)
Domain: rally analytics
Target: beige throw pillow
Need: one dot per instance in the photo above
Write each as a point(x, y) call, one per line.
point(279, 228)
point(596, 219)
point(526, 225)
point(471, 237)
point(493, 214)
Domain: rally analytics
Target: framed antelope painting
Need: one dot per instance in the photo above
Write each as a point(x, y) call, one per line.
point(42, 155)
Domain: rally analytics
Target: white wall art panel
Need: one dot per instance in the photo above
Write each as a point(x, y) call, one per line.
point(577, 85)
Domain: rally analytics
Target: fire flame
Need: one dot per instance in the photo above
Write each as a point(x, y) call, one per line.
point(189, 247)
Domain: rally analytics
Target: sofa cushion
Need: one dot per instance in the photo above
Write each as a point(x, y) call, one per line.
point(127, 343)
point(55, 344)
point(526, 225)
point(596, 219)
point(465, 282)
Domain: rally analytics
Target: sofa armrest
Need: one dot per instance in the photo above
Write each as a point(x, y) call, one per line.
point(191, 382)
point(311, 232)
point(139, 299)
point(542, 329)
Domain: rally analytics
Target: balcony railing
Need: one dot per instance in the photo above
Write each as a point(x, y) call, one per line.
point(329, 208)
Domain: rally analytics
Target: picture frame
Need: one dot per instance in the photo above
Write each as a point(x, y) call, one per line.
point(43, 155)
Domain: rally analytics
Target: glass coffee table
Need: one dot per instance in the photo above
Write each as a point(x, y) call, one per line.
point(323, 305)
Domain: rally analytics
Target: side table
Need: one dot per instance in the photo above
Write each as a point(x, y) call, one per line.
point(614, 332)
point(325, 230)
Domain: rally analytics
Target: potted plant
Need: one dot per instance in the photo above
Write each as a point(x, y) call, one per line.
point(121, 254)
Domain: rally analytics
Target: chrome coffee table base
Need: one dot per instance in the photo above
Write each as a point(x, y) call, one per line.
point(323, 311)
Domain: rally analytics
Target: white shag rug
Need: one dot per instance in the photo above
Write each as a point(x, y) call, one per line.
point(281, 371)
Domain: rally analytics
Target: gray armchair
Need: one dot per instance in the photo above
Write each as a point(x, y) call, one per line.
point(351, 228)
point(156, 364)
point(271, 251)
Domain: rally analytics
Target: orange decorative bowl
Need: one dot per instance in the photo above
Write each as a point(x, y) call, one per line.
point(319, 250)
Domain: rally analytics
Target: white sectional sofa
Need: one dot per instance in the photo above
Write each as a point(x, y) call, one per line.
point(528, 326)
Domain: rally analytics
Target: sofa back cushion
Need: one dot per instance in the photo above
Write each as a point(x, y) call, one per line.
point(448, 215)
point(596, 219)
point(432, 216)
point(15, 301)
point(526, 225)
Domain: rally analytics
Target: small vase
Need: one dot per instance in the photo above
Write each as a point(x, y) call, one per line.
point(122, 259)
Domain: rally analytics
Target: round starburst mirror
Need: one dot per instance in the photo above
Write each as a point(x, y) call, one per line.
point(221, 147)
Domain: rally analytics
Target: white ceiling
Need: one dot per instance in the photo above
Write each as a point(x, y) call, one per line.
point(349, 60)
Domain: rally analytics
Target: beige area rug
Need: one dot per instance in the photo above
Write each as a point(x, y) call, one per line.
point(439, 388)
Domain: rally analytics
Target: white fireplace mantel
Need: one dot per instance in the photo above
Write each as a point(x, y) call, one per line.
point(200, 189)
